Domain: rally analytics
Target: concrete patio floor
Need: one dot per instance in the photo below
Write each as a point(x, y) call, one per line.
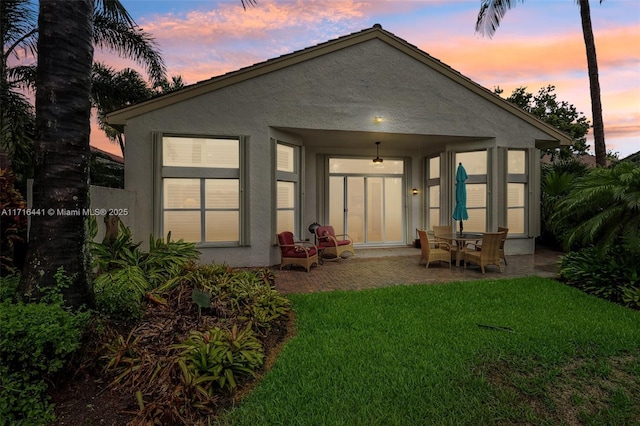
point(374, 268)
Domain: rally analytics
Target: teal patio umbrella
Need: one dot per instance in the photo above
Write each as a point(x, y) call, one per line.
point(460, 211)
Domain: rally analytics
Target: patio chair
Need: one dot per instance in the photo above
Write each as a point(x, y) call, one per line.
point(331, 244)
point(302, 253)
point(445, 230)
point(433, 254)
point(505, 232)
point(487, 254)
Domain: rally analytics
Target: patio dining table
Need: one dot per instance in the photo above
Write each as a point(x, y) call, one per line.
point(461, 240)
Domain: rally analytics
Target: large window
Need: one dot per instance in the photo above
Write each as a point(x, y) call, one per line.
point(516, 191)
point(475, 163)
point(287, 188)
point(201, 189)
point(433, 192)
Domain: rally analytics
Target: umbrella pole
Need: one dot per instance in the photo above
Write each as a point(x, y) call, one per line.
point(460, 227)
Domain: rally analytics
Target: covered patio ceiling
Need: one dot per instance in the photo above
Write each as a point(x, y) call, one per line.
point(365, 140)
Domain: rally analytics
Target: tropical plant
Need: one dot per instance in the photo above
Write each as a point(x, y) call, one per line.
point(13, 222)
point(602, 209)
point(213, 360)
point(557, 181)
point(126, 274)
point(489, 18)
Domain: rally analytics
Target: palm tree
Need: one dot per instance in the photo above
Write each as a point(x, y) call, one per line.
point(61, 183)
point(489, 18)
point(111, 90)
point(113, 29)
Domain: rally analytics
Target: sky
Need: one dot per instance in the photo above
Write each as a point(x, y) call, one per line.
point(538, 43)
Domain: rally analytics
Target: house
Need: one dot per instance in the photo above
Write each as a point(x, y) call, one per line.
point(230, 161)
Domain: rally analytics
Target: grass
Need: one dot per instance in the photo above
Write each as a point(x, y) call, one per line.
point(416, 355)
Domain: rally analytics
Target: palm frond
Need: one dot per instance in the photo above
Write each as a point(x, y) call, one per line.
point(602, 209)
point(129, 42)
point(19, 23)
point(23, 76)
point(491, 14)
point(115, 11)
point(246, 3)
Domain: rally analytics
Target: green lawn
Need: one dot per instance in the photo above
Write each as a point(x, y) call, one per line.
point(412, 355)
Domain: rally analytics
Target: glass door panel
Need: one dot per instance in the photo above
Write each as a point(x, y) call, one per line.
point(336, 203)
point(375, 211)
point(355, 209)
point(393, 223)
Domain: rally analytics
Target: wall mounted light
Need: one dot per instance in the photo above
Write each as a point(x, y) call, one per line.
point(378, 119)
point(377, 160)
point(414, 191)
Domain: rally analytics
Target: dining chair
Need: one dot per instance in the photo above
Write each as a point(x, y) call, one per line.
point(505, 232)
point(487, 254)
point(433, 254)
point(439, 230)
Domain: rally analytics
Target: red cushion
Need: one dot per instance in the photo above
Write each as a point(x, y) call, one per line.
point(286, 238)
point(322, 231)
point(311, 251)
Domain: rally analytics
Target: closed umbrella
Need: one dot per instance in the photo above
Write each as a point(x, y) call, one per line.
point(460, 211)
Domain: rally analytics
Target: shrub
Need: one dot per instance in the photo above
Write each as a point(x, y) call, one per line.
point(246, 295)
point(612, 275)
point(13, 222)
point(126, 273)
point(35, 342)
point(9, 287)
point(213, 360)
point(119, 293)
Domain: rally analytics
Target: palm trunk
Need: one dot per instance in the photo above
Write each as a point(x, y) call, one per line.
point(61, 186)
point(594, 84)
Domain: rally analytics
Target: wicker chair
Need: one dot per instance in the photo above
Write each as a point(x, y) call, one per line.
point(488, 253)
point(445, 230)
point(332, 244)
point(505, 232)
point(433, 254)
point(302, 253)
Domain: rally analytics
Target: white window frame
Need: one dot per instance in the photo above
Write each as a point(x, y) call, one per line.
point(519, 178)
point(294, 177)
point(475, 179)
point(202, 173)
point(432, 182)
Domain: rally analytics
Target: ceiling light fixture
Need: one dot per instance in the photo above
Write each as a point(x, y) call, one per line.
point(378, 159)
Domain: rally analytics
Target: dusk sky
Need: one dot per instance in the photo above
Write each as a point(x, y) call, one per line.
point(538, 43)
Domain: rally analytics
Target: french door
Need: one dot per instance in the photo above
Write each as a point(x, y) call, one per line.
point(369, 208)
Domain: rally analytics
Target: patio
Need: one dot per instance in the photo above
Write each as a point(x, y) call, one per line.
point(374, 268)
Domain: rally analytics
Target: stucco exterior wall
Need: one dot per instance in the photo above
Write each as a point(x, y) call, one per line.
point(342, 91)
